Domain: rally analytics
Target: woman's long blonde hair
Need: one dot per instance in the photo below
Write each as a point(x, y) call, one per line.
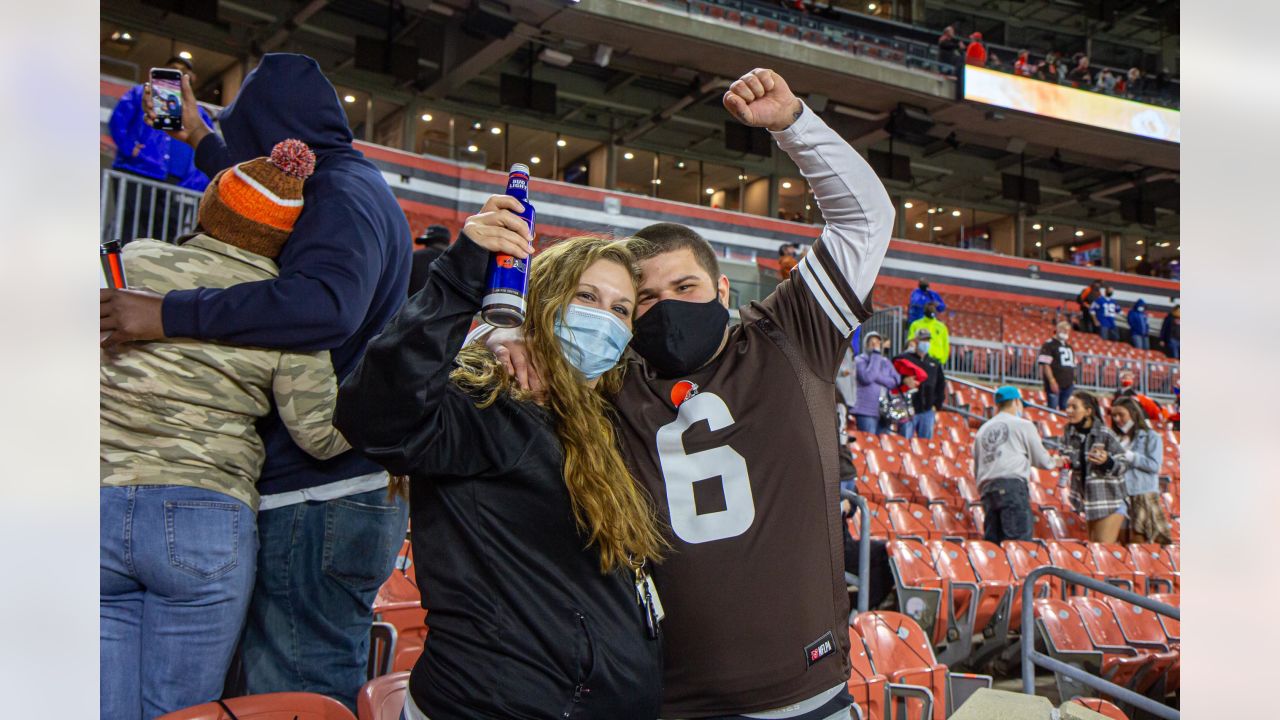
point(608, 504)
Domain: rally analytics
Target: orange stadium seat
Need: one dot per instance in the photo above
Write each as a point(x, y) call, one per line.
point(1073, 556)
point(952, 524)
point(894, 489)
point(991, 567)
point(952, 563)
point(922, 592)
point(869, 489)
point(868, 688)
point(900, 650)
point(880, 529)
point(1172, 627)
point(1100, 706)
point(933, 490)
point(383, 698)
point(1100, 621)
point(1116, 567)
point(1067, 638)
point(1024, 557)
point(881, 461)
point(912, 521)
point(269, 706)
point(979, 515)
point(1064, 524)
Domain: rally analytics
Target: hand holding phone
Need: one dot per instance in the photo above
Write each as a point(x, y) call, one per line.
point(166, 99)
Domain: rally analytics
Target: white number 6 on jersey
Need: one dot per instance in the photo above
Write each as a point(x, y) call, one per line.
point(681, 470)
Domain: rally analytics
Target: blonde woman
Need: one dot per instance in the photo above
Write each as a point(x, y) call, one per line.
point(530, 535)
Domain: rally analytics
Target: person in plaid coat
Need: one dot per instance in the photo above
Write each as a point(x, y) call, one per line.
point(1098, 465)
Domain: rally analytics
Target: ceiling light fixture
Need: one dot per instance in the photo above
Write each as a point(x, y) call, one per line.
point(426, 117)
point(476, 125)
point(937, 228)
point(679, 164)
point(472, 148)
point(919, 226)
point(1036, 226)
point(786, 185)
point(561, 142)
point(1050, 228)
point(657, 181)
point(1139, 242)
point(349, 98)
point(535, 159)
point(184, 55)
point(1137, 257)
point(1038, 243)
point(628, 156)
point(907, 205)
point(1079, 233)
point(495, 130)
point(711, 191)
point(871, 7)
point(955, 213)
point(932, 211)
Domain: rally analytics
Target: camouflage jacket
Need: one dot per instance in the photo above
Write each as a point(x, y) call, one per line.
point(182, 412)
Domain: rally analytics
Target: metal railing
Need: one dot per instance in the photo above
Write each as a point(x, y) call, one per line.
point(889, 322)
point(864, 550)
point(1010, 363)
point(132, 207)
point(1032, 658)
point(983, 388)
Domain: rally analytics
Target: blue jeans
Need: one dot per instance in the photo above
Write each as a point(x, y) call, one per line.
point(1007, 504)
point(924, 422)
point(872, 424)
point(1142, 342)
point(1058, 400)
point(1173, 349)
point(319, 568)
point(175, 576)
point(1109, 333)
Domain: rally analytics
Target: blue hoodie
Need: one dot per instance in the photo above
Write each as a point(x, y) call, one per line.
point(160, 157)
point(1106, 309)
point(1139, 324)
point(344, 271)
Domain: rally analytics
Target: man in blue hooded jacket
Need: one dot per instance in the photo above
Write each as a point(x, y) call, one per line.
point(1139, 325)
point(920, 297)
point(328, 533)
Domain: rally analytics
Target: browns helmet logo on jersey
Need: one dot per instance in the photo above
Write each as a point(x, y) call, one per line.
point(682, 391)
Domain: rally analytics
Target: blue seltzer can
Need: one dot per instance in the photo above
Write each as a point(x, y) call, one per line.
point(508, 280)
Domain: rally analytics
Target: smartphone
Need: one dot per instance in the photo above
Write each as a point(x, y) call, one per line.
point(166, 98)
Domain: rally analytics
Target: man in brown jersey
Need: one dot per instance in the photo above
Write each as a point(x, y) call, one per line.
point(754, 593)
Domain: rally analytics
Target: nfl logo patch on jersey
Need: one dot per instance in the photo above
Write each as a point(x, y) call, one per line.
point(820, 648)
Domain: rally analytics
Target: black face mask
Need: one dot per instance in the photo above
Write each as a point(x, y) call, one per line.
point(677, 337)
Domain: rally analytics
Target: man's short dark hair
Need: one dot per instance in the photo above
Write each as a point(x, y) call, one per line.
point(178, 59)
point(1006, 404)
point(667, 237)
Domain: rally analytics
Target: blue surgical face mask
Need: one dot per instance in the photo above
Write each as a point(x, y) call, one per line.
point(922, 347)
point(592, 339)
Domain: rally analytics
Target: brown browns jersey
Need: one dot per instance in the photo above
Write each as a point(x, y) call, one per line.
point(740, 459)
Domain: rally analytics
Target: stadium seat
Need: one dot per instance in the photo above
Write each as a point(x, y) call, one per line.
point(1172, 627)
point(899, 649)
point(879, 460)
point(912, 521)
point(922, 593)
point(1073, 556)
point(894, 489)
point(269, 706)
point(383, 698)
point(934, 491)
point(1064, 525)
point(952, 524)
point(1104, 630)
point(869, 489)
point(991, 565)
point(1100, 706)
point(979, 516)
point(1116, 567)
point(1141, 627)
point(1024, 557)
point(869, 689)
point(952, 563)
point(1067, 639)
point(880, 529)
point(1174, 553)
point(967, 489)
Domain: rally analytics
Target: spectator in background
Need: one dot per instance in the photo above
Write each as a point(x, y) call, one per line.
point(329, 531)
point(932, 392)
point(875, 376)
point(1057, 363)
point(180, 456)
point(1144, 451)
point(939, 343)
point(1048, 70)
point(1129, 389)
point(847, 384)
point(1023, 65)
point(1134, 83)
point(1098, 466)
point(433, 242)
point(1139, 325)
point(1105, 310)
point(902, 398)
point(949, 46)
point(788, 258)
point(920, 297)
point(1106, 82)
point(1171, 333)
point(976, 53)
point(1085, 300)
point(149, 153)
point(1004, 450)
point(1081, 75)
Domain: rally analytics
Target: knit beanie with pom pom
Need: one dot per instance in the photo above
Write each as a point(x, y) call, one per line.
point(254, 205)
